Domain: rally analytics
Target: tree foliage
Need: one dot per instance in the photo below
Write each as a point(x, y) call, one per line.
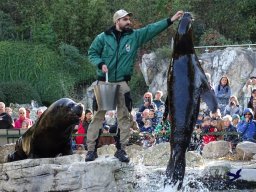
point(45, 42)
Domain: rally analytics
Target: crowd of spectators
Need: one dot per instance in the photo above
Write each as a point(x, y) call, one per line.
point(232, 122)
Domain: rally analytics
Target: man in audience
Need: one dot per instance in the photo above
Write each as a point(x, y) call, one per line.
point(6, 121)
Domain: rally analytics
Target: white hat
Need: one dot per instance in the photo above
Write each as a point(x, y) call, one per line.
point(120, 14)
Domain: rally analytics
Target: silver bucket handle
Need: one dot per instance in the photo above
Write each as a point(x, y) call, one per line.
point(106, 77)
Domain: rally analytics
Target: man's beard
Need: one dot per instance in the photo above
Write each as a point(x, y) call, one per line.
point(126, 27)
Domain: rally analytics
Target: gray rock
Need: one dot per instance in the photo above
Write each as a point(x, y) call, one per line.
point(245, 150)
point(237, 63)
point(5, 150)
point(194, 159)
point(216, 149)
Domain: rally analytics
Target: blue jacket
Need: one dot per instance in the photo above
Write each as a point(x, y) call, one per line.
point(247, 130)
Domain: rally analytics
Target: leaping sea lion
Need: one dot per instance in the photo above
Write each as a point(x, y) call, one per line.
point(51, 135)
point(186, 84)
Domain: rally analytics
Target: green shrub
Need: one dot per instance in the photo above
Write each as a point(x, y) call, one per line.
point(138, 88)
point(19, 92)
point(2, 96)
point(53, 76)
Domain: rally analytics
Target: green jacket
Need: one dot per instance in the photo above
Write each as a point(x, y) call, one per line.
point(120, 56)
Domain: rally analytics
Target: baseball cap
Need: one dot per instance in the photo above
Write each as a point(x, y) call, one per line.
point(119, 14)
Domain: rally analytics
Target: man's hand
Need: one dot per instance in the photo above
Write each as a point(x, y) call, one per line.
point(177, 16)
point(104, 68)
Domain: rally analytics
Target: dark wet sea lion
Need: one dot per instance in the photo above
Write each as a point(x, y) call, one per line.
point(186, 84)
point(51, 135)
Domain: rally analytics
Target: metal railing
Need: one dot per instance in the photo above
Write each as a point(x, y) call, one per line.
point(224, 46)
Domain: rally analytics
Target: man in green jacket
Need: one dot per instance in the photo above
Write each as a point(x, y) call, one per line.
point(114, 52)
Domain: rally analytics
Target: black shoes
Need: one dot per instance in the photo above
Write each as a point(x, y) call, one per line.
point(91, 156)
point(122, 156)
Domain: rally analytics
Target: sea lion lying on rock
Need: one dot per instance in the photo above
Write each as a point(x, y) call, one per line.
point(51, 135)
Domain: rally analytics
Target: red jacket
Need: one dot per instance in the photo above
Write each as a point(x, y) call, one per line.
point(208, 138)
point(80, 130)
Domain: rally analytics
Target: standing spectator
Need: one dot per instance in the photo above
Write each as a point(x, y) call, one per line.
point(148, 102)
point(22, 117)
point(230, 134)
point(247, 127)
point(158, 99)
point(223, 93)
point(114, 52)
point(6, 121)
point(248, 88)
point(235, 120)
point(233, 107)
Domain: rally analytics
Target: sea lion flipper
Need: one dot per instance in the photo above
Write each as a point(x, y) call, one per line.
point(208, 96)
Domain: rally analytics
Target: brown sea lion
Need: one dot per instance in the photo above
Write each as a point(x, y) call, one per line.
point(51, 135)
point(186, 84)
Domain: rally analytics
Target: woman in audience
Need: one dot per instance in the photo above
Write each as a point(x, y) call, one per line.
point(22, 117)
point(223, 93)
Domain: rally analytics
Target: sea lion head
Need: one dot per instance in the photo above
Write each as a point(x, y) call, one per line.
point(185, 23)
point(62, 113)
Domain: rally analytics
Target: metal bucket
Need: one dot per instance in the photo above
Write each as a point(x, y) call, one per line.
point(106, 96)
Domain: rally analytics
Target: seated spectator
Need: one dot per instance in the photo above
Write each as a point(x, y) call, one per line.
point(25, 124)
point(8, 110)
point(247, 127)
point(223, 93)
point(147, 127)
point(158, 99)
point(252, 102)
point(206, 129)
point(22, 117)
point(83, 128)
point(248, 89)
point(39, 112)
point(147, 102)
point(110, 122)
point(134, 130)
point(141, 117)
point(233, 107)
point(217, 116)
point(162, 132)
point(146, 133)
point(152, 117)
point(6, 121)
point(235, 120)
point(230, 132)
point(200, 119)
point(160, 112)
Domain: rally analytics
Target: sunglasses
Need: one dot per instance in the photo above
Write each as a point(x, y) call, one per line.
point(147, 97)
